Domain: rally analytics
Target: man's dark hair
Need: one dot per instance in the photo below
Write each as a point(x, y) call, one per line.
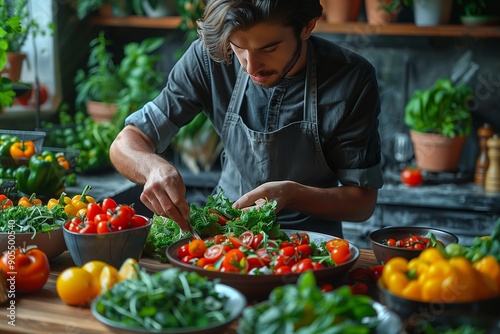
point(221, 17)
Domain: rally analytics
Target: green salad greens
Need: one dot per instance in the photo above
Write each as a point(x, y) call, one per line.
point(31, 219)
point(303, 308)
point(170, 298)
point(216, 217)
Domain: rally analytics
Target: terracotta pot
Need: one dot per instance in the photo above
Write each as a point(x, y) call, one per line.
point(14, 65)
point(437, 153)
point(100, 111)
point(376, 15)
point(339, 11)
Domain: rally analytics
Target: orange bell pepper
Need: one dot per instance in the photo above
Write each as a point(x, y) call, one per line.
point(22, 149)
point(32, 200)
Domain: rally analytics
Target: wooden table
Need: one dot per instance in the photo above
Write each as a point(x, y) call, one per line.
point(44, 312)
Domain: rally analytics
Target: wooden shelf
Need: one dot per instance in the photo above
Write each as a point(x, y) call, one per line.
point(167, 22)
point(408, 29)
point(356, 28)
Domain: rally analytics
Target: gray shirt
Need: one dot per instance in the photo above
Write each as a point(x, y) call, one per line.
point(348, 106)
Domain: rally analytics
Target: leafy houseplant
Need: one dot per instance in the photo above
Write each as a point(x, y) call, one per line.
point(440, 109)
point(440, 120)
point(479, 12)
point(7, 27)
point(128, 84)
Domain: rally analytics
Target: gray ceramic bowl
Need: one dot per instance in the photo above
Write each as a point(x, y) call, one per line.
point(113, 248)
point(51, 243)
point(383, 252)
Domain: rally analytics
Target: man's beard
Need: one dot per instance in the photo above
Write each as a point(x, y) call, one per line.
point(288, 67)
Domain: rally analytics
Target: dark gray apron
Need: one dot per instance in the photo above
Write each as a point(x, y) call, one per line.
point(293, 152)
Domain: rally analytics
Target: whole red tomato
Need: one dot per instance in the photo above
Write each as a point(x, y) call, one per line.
point(29, 98)
point(412, 176)
point(28, 268)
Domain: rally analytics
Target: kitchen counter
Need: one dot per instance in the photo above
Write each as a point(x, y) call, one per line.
point(44, 312)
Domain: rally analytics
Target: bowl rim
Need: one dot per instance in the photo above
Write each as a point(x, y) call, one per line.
point(150, 222)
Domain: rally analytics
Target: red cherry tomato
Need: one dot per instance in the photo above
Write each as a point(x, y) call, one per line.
point(303, 265)
point(334, 243)
point(412, 177)
point(183, 251)
point(340, 254)
point(29, 268)
point(213, 253)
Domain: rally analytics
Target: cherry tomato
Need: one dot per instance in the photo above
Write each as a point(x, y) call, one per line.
point(234, 261)
point(237, 243)
point(76, 286)
point(28, 266)
point(334, 243)
point(254, 261)
point(103, 227)
point(189, 259)
point(303, 265)
point(183, 251)
point(93, 209)
point(299, 238)
point(303, 251)
point(247, 238)
point(108, 204)
point(340, 254)
point(283, 270)
point(326, 287)
point(220, 238)
point(263, 254)
point(257, 240)
point(89, 227)
point(359, 288)
point(412, 177)
point(213, 253)
point(138, 221)
point(220, 217)
point(197, 247)
point(288, 251)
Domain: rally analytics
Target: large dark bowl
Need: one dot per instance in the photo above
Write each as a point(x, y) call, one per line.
point(383, 252)
point(417, 312)
point(113, 247)
point(258, 287)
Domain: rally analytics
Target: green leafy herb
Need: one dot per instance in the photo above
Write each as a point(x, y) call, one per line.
point(167, 299)
point(304, 308)
point(36, 218)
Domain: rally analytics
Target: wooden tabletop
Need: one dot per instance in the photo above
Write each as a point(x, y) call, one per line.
point(44, 312)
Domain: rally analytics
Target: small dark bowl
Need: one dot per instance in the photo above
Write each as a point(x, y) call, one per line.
point(383, 252)
point(113, 247)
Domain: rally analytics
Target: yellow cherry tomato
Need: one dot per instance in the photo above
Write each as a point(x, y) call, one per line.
point(431, 255)
point(95, 268)
point(109, 277)
point(397, 282)
point(489, 266)
point(396, 264)
point(75, 286)
point(129, 269)
point(412, 290)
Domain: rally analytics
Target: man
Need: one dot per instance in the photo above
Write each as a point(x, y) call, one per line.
point(298, 117)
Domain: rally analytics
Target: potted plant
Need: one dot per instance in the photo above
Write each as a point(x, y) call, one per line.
point(440, 120)
point(16, 39)
point(7, 26)
point(106, 85)
point(479, 12)
point(382, 12)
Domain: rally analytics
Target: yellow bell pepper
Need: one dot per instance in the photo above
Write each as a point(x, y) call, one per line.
point(75, 205)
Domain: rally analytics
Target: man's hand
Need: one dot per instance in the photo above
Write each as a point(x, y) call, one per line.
point(165, 194)
point(270, 191)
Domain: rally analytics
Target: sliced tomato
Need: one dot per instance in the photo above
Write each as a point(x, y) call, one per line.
point(254, 261)
point(257, 240)
point(247, 238)
point(264, 256)
point(213, 253)
point(220, 217)
point(237, 243)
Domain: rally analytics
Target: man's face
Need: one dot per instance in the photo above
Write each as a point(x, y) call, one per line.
point(268, 52)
